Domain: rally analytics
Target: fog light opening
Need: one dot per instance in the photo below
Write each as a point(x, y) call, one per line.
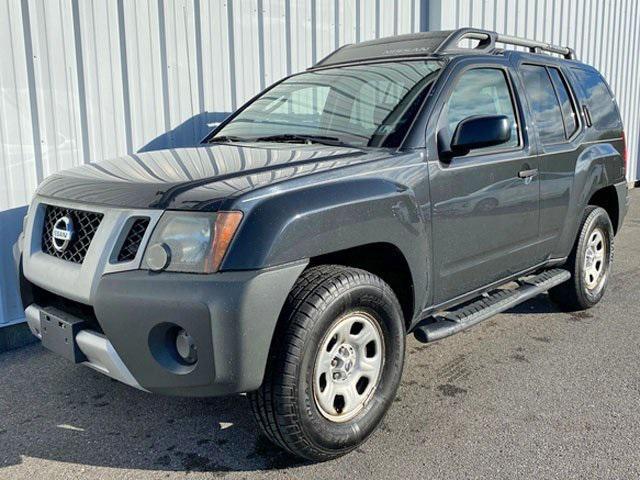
point(186, 347)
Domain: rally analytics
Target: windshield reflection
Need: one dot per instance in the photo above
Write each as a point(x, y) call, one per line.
point(361, 105)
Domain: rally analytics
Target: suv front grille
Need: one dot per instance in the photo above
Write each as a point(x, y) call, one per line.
point(132, 242)
point(85, 226)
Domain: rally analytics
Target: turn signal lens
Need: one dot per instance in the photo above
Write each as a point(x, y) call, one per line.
point(225, 228)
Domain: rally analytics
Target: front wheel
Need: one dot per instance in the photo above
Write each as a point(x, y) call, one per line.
point(589, 263)
point(335, 365)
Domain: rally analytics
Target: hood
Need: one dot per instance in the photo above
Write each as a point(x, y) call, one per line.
point(198, 178)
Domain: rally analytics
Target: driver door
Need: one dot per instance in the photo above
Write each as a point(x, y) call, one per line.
point(485, 219)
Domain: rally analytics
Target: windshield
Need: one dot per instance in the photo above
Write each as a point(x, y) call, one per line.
point(362, 105)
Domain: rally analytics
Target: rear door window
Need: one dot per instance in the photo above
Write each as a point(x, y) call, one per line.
point(569, 114)
point(544, 103)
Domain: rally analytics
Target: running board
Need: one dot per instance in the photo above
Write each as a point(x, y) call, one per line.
point(444, 324)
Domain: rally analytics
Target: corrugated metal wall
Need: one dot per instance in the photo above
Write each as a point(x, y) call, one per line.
point(85, 80)
point(604, 33)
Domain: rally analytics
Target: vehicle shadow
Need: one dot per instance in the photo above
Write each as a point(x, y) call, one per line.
point(52, 410)
point(537, 305)
point(188, 134)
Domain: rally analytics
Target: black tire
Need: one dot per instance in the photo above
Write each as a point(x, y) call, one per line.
point(575, 294)
point(285, 407)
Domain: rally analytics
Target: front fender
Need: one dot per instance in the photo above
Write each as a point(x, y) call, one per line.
point(329, 217)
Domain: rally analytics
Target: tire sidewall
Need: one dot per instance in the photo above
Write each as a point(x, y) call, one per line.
point(331, 436)
point(597, 218)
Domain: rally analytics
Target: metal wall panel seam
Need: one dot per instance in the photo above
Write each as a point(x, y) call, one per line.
point(199, 69)
point(82, 95)
point(31, 87)
point(261, 69)
point(124, 69)
point(287, 22)
point(232, 54)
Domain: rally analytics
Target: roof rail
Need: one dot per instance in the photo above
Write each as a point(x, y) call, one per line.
point(425, 44)
point(487, 43)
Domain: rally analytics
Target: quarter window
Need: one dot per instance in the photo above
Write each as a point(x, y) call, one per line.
point(481, 91)
point(599, 99)
point(544, 104)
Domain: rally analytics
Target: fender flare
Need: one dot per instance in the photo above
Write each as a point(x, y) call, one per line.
point(598, 166)
point(329, 217)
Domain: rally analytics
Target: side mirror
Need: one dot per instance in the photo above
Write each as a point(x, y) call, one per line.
point(479, 132)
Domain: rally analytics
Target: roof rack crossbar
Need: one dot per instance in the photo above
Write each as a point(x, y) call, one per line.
point(537, 47)
point(488, 39)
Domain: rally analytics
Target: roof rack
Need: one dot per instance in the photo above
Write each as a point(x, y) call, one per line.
point(488, 39)
point(433, 43)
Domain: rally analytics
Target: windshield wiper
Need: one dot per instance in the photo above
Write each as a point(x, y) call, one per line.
point(227, 139)
point(301, 138)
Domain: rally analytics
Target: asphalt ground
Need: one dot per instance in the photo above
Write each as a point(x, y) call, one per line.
point(533, 393)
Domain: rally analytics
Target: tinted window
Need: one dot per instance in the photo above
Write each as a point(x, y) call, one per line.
point(603, 110)
point(357, 105)
point(568, 111)
point(482, 91)
point(544, 103)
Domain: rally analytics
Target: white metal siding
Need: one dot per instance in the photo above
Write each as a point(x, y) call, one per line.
point(85, 80)
point(604, 34)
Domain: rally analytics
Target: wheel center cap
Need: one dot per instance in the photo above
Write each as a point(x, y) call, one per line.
point(589, 257)
point(343, 362)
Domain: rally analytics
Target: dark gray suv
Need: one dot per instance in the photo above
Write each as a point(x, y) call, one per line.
point(419, 183)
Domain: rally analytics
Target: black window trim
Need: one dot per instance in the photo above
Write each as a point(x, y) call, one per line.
point(453, 82)
point(574, 102)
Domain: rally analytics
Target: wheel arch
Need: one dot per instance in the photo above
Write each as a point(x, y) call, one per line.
point(607, 198)
point(384, 260)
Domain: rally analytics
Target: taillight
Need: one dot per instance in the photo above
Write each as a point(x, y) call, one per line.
point(624, 152)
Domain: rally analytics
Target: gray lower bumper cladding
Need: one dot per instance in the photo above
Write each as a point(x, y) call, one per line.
point(99, 352)
point(230, 316)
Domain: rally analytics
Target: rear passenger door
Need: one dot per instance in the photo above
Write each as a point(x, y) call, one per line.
point(554, 112)
point(485, 210)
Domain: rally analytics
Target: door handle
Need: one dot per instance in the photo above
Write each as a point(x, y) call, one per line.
point(528, 173)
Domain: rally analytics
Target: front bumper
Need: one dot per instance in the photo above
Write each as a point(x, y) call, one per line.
point(231, 316)
point(97, 349)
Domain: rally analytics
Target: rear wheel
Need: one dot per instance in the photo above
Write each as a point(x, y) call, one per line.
point(335, 365)
point(589, 263)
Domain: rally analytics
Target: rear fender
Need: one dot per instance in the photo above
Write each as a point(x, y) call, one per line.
point(598, 166)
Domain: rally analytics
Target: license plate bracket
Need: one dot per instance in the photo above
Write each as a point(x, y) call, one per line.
point(59, 331)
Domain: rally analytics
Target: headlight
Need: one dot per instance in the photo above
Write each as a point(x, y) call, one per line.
point(193, 242)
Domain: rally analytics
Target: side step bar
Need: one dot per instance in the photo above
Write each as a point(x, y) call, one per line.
point(444, 324)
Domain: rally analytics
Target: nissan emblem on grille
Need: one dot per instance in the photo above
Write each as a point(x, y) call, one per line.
point(63, 233)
